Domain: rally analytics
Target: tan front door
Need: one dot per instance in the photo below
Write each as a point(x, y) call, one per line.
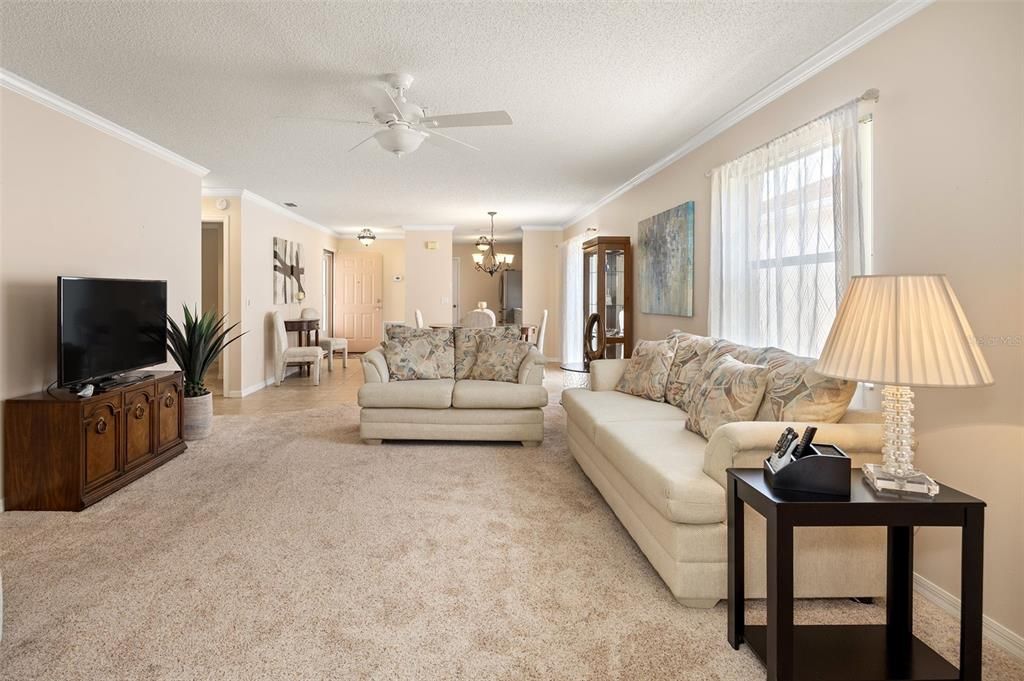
point(359, 299)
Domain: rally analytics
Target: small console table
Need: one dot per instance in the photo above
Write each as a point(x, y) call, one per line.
point(63, 453)
point(862, 652)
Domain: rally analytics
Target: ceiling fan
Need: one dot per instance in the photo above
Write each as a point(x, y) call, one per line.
point(405, 125)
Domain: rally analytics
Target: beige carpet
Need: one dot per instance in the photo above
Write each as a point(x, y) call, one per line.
point(282, 548)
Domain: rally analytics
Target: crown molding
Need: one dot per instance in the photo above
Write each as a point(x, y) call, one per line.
point(222, 192)
point(26, 88)
point(851, 41)
point(429, 228)
point(286, 212)
point(541, 228)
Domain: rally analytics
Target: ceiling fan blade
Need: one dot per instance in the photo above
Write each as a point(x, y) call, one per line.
point(363, 142)
point(329, 120)
point(394, 104)
point(434, 134)
point(467, 120)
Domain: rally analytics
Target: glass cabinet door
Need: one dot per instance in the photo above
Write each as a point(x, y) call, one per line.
point(590, 292)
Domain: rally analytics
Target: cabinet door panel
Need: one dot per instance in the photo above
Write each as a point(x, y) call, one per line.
point(102, 440)
point(168, 407)
point(139, 430)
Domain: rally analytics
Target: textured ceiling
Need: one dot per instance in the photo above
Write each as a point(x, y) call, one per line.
point(598, 91)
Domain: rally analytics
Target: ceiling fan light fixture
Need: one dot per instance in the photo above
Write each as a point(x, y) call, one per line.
point(366, 236)
point(400, 139)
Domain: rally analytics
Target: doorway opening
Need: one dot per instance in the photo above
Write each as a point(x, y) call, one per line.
point(214, 295)
point(327, 304)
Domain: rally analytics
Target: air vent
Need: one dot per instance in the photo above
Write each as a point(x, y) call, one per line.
point(291, 205)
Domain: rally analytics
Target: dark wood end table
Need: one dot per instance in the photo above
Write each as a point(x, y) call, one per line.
point(848, 652)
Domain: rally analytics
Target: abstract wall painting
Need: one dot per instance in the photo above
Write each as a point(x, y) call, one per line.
point(665, 243)
point(288, 270)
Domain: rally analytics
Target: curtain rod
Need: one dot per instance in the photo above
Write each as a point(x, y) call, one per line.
point(870, 95)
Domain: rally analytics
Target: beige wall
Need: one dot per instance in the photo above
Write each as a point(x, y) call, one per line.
point(392, 252)
point(475, 285)
point(949, 197)
point(428, 275)
point(79, 202)
point(542, 285)
point(260, 224)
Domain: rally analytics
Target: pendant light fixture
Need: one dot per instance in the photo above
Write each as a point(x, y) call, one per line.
point(489, 260)
point(366, 236)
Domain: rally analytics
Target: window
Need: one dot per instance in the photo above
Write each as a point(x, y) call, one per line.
point(787, 235)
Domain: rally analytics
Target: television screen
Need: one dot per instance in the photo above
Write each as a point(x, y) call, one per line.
point(109, 326)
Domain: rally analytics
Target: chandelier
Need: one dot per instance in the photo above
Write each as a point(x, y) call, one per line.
point(366, 236)
point(489, 260)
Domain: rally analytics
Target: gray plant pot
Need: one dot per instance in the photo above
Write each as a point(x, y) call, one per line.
point(198, 417)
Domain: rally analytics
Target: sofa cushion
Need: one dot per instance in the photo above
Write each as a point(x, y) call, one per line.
point(588, 408)
point(647, 372)
point(467, 343)
point(499, 359)
point(686, 363)
point(423, 394)
point(416, 354)
point(665, 464)
point(796, 392)
point(473, 394)
point(728, 391)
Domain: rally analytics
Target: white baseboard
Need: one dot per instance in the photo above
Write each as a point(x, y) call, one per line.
point(245, 392)
point(1, 504)
point(995, 632)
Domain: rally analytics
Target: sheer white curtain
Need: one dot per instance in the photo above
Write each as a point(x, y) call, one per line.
point(572, 300)
point(787, 235)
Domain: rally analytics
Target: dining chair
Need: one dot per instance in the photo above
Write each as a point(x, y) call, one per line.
point(478, 319)
point(541, 328)
point(329, 344)
point(285, 355)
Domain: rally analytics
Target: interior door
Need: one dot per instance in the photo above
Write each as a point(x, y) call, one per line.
point(360, 299)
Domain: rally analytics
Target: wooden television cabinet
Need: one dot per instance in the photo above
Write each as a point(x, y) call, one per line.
point(63, 453)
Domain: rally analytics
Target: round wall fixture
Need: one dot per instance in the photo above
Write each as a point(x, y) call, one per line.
point(222, 204)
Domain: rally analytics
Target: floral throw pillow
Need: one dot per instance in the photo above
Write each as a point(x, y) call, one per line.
point(467, 345)
point(728, 390)
point(796, 392)
point(498, 359)
point(647, 371)
point(682, 374)
point(420, 354)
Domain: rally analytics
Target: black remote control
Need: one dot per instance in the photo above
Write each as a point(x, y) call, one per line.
point(805, 441)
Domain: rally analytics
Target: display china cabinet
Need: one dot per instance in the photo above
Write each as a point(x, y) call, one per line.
point(608, 292)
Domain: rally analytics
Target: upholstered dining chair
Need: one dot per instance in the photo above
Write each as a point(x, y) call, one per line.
point(541, 328)
point(478, 319)
point(419, 320)
point(490, 313)
point(285, 355)
point(330, 345)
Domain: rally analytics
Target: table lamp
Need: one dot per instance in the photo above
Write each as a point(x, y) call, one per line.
point(902, 331)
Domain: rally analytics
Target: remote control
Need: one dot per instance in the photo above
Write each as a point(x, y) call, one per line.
point(805, 441)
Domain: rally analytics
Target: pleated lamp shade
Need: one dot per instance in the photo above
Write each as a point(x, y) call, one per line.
point(903, 330)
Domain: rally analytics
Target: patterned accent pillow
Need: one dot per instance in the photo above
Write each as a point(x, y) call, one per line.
point(498, 359)
point(796, 392)
point(729, 391)
point(682, 375)
point(467, 345)
point(420, 353)
point(647, 371)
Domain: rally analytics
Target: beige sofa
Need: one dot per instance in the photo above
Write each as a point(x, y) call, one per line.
point(448, 409)
point(666, 484)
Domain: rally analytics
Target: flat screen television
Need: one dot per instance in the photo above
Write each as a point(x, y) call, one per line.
point(109, 326)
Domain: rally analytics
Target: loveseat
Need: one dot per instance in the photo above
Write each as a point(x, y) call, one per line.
point(457, 408)
point(666, 485)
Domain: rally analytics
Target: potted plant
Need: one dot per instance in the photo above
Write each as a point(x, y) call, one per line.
point(195, 348)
